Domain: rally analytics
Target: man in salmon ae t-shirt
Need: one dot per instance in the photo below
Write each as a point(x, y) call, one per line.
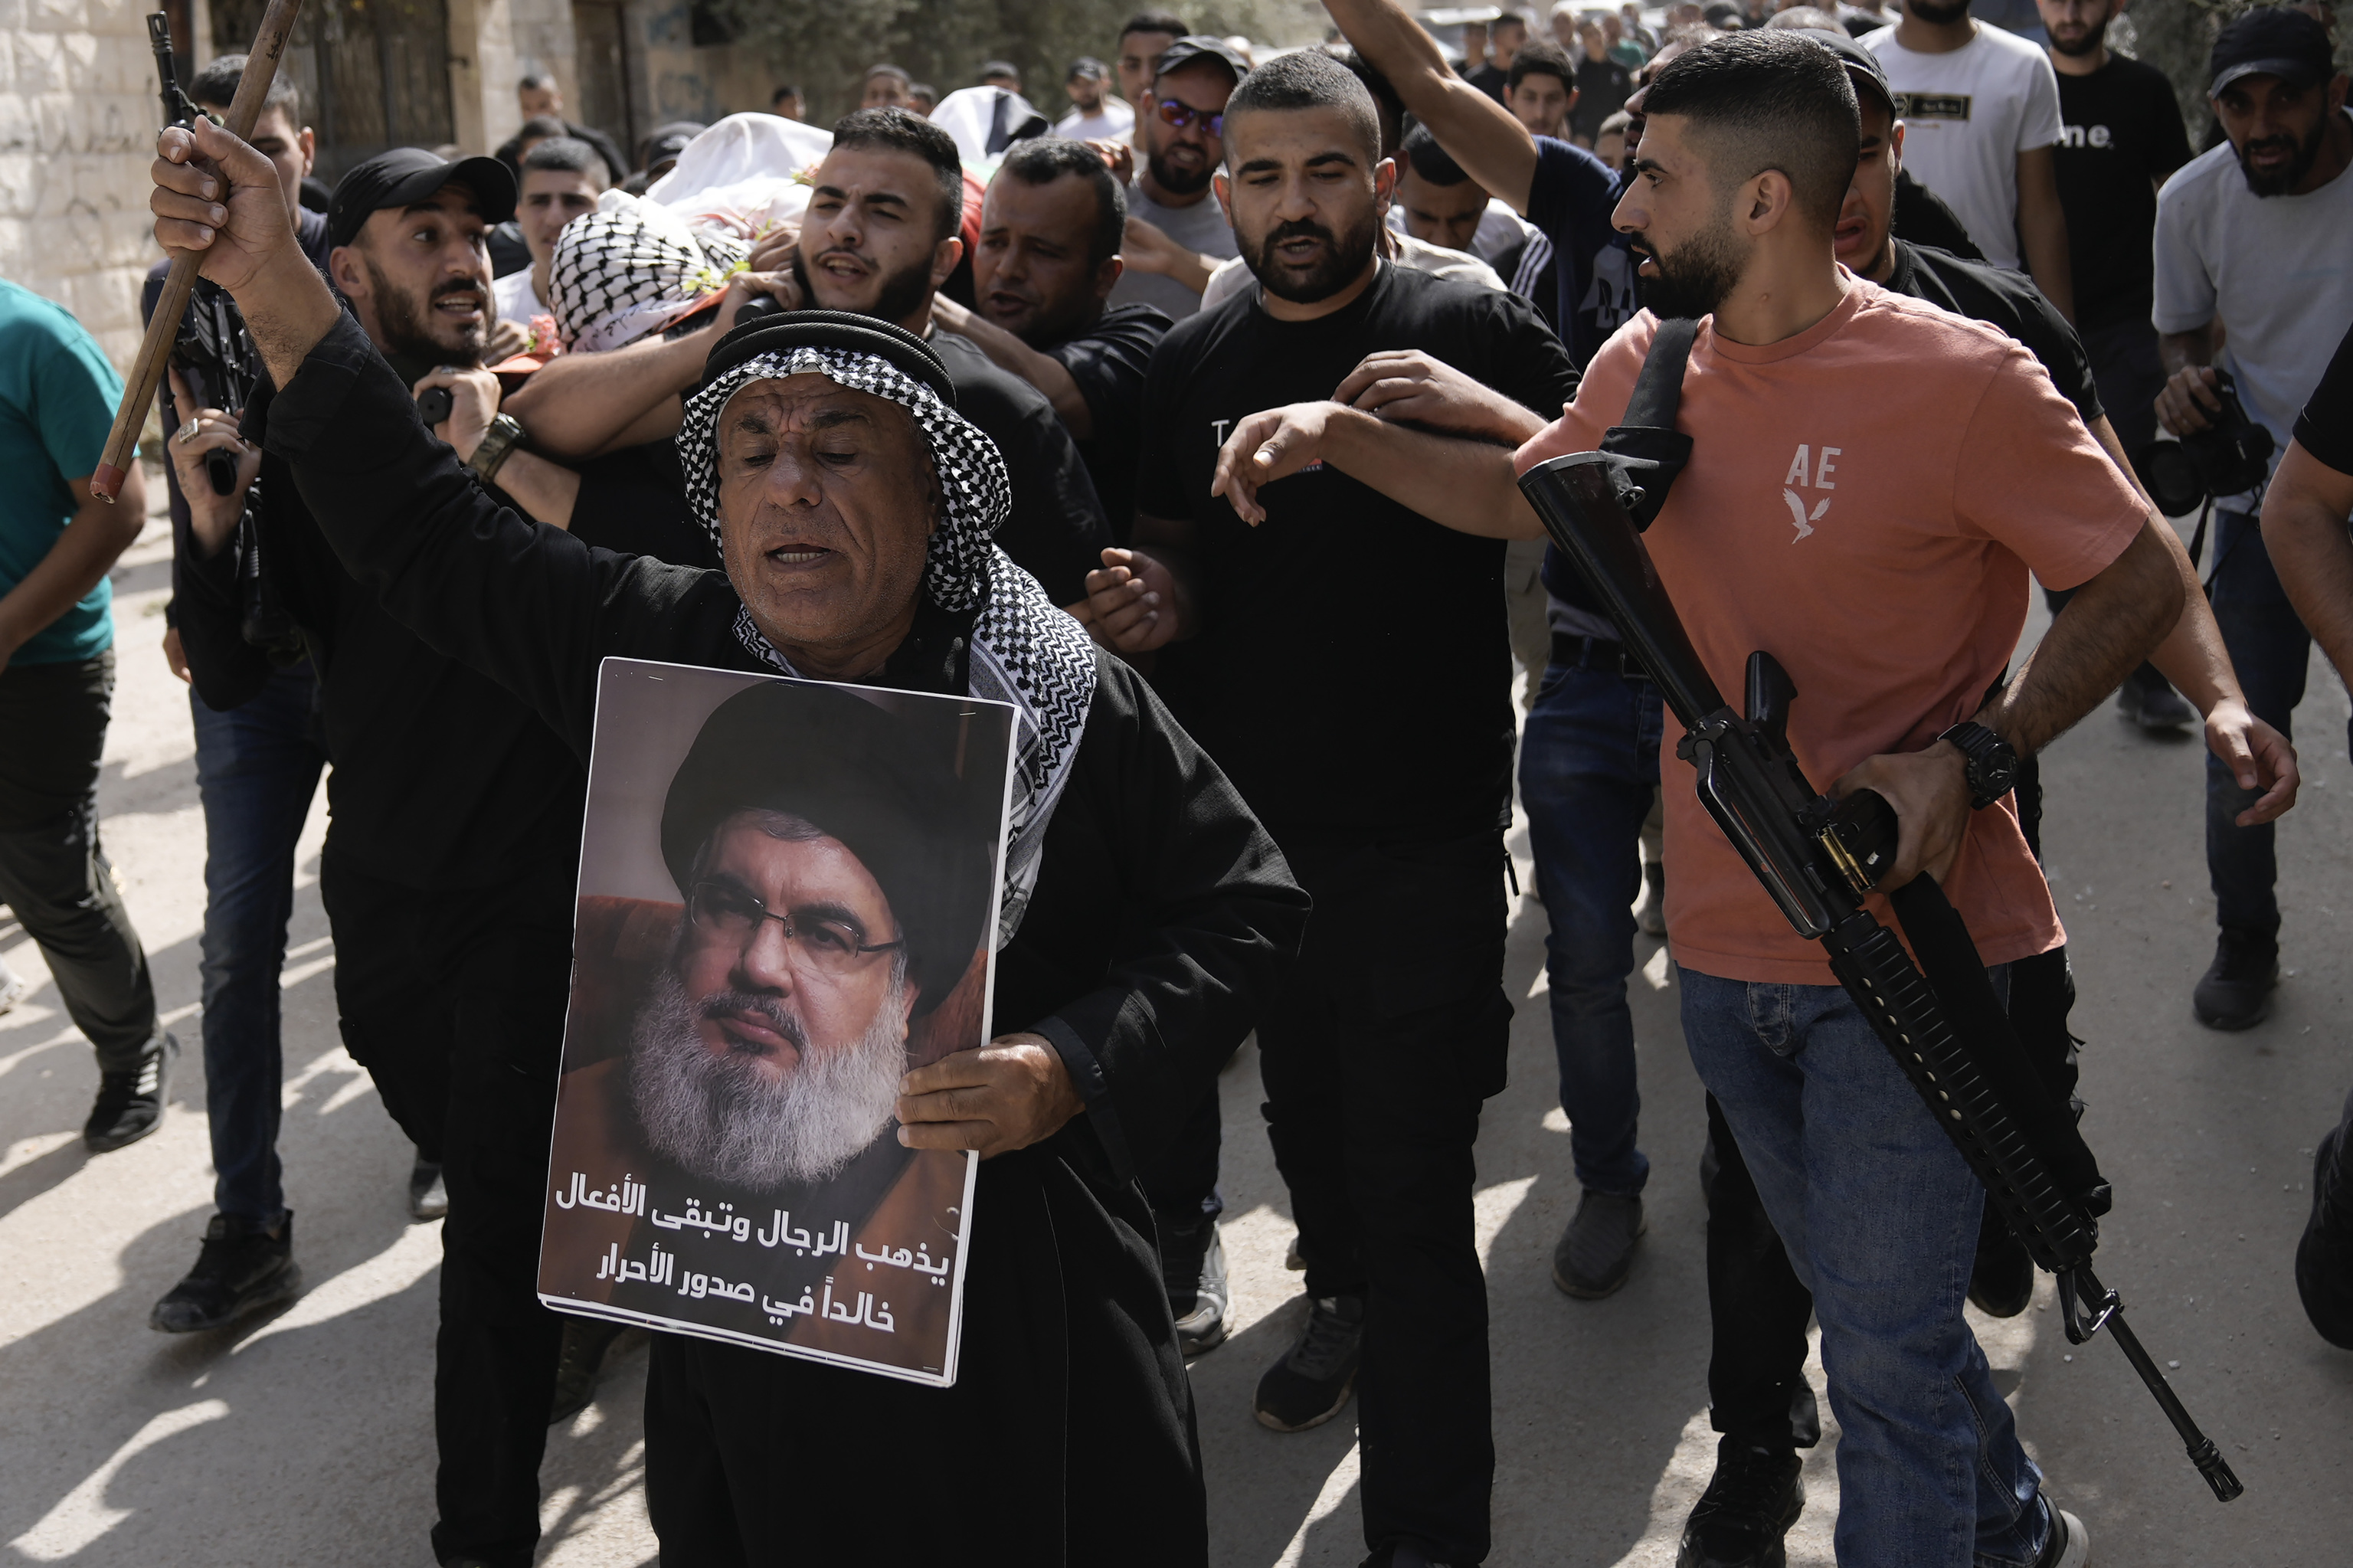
point(1872, 482)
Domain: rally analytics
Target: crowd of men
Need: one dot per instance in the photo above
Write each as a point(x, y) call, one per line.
point(1256, 348)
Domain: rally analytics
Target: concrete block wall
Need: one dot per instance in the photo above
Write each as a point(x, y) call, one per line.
point(77, 119)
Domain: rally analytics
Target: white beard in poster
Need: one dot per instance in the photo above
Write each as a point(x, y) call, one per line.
point(719, 1118)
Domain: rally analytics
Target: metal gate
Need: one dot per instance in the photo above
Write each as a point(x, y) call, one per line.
point(373, 73)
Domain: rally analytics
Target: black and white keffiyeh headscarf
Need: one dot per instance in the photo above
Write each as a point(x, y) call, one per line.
point(1025, 650)
point(632, 267)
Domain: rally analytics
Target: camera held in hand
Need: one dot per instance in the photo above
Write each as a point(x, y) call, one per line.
point(2230, 457)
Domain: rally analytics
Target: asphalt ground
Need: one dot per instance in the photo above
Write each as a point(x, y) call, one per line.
point(305, 1436)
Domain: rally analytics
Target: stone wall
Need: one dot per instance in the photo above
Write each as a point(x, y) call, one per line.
point(77, 118)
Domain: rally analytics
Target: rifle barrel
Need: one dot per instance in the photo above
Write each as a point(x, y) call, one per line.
point(155, 349)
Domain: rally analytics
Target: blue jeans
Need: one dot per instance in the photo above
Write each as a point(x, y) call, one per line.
point(256, 767)
point(1588, 769)
point(2270, 650)
point(1880, 1215)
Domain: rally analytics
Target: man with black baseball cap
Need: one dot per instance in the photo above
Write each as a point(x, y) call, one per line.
point(1176, 232)
point(2254, 232)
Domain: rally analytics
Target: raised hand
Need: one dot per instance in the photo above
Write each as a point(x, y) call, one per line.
point(219, 197)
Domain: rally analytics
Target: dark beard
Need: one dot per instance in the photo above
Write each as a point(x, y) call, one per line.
point(1178, 182)
point(1693, 279)
point(903, 293)
point(1937, 16)
point(2286, 180)
point(2089, 44)
point(407, 327)
point(1345, 259)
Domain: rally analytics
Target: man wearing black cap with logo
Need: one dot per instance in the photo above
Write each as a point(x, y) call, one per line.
point(1147, 918)
point(2255, 233)
point(1176, 232)
point(454, 838)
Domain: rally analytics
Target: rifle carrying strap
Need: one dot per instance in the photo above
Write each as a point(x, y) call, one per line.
point(1649, 450)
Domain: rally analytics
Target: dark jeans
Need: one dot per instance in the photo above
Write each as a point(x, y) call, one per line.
point(52, 872)
point(256, 768)
point(2270, 650)
point(2128, 375)
point(1588, 770)
point(1393, 1030)
point(454, 1001)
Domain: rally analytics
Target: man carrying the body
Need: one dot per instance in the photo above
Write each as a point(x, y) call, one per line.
point(1892, 586)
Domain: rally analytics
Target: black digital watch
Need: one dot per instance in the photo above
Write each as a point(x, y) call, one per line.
point(1992, 761)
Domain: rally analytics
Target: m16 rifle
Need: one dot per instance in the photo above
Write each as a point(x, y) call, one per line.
point(1820, 858)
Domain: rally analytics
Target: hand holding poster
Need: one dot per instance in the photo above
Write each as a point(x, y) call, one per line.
point(787, 894)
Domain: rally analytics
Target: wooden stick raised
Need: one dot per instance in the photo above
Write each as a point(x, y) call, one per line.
point(164, 326)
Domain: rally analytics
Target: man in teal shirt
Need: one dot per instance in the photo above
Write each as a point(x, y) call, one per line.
point(57, 394)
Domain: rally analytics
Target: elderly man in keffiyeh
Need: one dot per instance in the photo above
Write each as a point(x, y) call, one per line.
point(1148, 916)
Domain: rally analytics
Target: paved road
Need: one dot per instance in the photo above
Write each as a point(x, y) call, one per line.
point(306, 1436)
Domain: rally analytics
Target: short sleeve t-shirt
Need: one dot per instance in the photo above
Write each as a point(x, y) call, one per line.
point(1201, 227)
point(1108, 361)
point(1864, 503)
point(57, 394)
point(2010, 304)
point(1570, 198)
point(2273, 269)
point(1352, 673)
point(2121, 134)
point(516, 299)
point(1968, 115)
point(2324, 429)
point(1111, 122)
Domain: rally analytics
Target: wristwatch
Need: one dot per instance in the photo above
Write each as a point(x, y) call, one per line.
point(503, 435)
point(1992, 762)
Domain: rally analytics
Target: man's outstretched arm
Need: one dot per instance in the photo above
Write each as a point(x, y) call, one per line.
point(219, 197)
point(1475, 131)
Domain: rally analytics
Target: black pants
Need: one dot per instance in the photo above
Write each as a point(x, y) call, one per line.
point(53, 722)
point(454, 1002)
point(1393, 1030)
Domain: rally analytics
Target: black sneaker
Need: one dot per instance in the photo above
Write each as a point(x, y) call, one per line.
point(130, 1103)
point(242, 1267)
point(2002, 1283)
point(1192, 1267)
point(1751, 1502)
point(580, 1364)
point(1596, 1253)
point(2235, 992)
point(2323, 1258)
point(1313, 1378)
point(428, 1194)
point(2148, 699)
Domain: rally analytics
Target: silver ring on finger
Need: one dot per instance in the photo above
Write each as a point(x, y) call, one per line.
point(188, 432)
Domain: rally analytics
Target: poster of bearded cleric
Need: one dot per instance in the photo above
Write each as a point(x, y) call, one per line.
point(787, 891)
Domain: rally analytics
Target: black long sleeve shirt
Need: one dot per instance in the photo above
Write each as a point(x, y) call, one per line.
point(1163, 916)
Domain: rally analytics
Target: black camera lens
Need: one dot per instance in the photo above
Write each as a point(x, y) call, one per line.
point(2171, 474)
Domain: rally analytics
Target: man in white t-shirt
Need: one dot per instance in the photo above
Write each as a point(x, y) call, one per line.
point(1980, 112)
point(2255, 233)
point(1094, 113)
point(1176, 232)
point(561, 180)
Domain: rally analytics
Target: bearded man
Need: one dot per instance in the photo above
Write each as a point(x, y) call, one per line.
point(1147, 917)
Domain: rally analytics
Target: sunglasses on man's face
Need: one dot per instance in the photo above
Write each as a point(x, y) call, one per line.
point(1180, 115)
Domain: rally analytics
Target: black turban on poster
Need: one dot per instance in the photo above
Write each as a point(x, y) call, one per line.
point(885, 786)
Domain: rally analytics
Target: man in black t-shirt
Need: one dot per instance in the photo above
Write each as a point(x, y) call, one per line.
point(2121, 135)
point(2304, 510)
point(1387, 788)
point(1049, 236)
point(1506, 36)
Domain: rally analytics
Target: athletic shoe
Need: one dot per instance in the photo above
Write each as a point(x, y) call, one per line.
point(13, 988)
point(130, 1103)
point(241, 1268)
point(2069, 1545)
point(2147, 700)
point(428, 1194)
point(1193, 1268)
point(2002, 1283)
point(2235, 992)
point(2323, 1258)
point(580, 1364)
point(1596, 1253)
point(1313, 1378)
point(1751, 1502)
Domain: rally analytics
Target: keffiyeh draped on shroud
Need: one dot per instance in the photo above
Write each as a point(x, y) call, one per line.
point(1025, 649)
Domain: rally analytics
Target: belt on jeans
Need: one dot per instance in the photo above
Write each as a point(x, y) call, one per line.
point(1597, 655)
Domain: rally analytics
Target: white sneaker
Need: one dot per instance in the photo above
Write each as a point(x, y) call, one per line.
point(2072, 1547)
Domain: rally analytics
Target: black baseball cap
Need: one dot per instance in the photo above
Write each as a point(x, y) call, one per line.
point(1862, 66)
point(1196, 47)
point(2271, 40)
point(1089, 67)
point(406, 175)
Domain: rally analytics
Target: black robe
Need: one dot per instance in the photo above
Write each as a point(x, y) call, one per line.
point(1162, 922)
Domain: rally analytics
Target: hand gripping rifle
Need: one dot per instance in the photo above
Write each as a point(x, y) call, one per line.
point(1819, 857)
